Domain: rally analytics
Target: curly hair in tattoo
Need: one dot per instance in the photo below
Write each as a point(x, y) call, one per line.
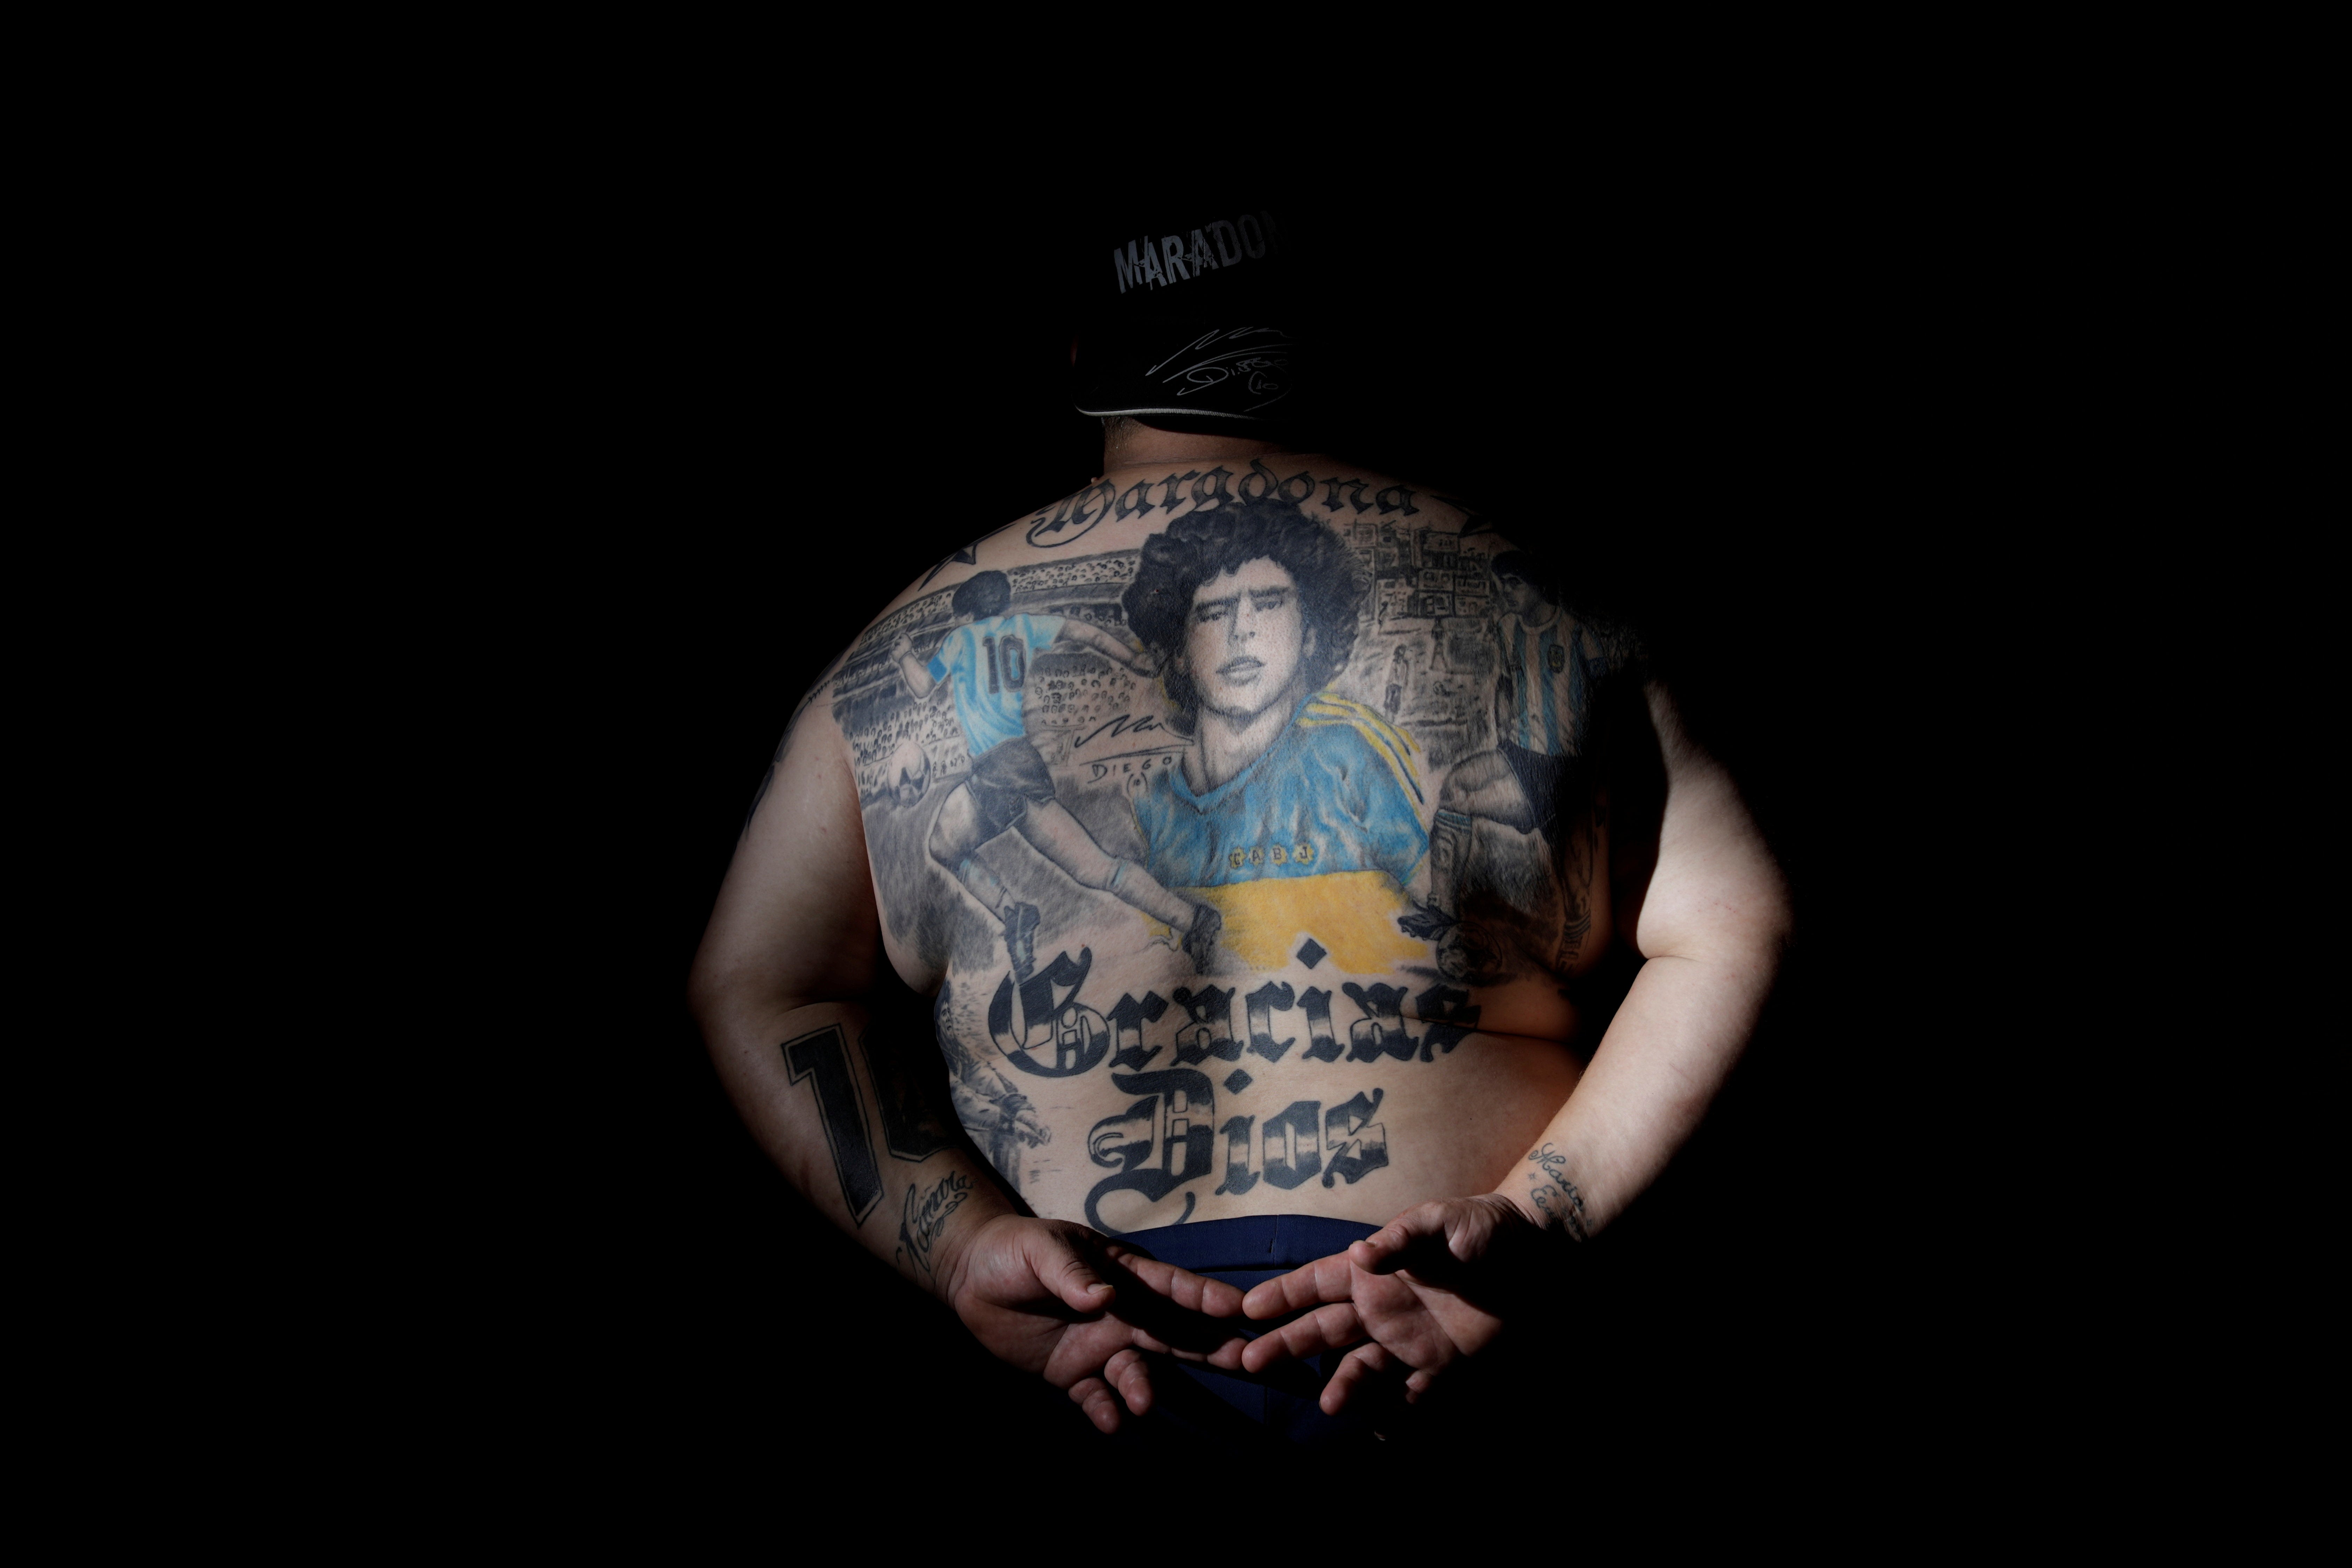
point(1202, 547)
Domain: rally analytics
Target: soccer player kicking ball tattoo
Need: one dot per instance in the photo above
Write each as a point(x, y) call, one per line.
point(985, 662)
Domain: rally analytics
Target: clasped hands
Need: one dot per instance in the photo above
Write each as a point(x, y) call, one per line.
point(1435, 1286)
point(1432, 1287)
point(1081, 1310)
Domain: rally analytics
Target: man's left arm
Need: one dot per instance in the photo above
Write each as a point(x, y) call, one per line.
point(1434, 1285)
point(1711, 929)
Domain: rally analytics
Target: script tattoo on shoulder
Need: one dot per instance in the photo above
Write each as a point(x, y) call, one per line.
point(1555, 1196)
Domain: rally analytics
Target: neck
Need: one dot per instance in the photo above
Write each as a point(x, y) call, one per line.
point(1227, 744)
point(1129, 443)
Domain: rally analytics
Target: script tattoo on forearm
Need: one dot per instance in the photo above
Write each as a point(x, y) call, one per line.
point(1555, 1196)
point(922, 1222)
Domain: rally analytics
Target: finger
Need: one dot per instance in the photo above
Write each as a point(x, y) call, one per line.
point(1395, 1244)
point(1068, 1273)
point(1194, 1292)
point(1227, 1355)
point(1418, 1384)
point(1363, 1365)
point(1210, 1352)
point(1325, 1329)
point(1129, 1374)
point(1173, 1311)
point(1094, 1396)
point(1376, 1250)
point(1225, 1352)
point(1309, 1285)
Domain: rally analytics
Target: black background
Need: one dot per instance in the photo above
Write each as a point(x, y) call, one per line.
point(726, 429)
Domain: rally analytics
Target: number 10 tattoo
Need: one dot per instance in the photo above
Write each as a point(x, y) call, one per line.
point(911, 1134)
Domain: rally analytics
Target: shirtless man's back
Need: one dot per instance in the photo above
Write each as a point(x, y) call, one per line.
point(1241, 812)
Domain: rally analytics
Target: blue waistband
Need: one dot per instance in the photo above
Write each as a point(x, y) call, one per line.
point(1275, 1244)
point(1281, 1404)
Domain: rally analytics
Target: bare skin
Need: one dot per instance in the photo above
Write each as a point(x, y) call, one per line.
point(1481, 1133)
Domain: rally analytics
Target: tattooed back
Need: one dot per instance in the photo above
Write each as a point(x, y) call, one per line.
point(1245, 823)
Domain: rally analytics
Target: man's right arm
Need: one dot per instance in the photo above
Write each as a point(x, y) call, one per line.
point(1122, 653)
point(781, 988)
point(912, 670)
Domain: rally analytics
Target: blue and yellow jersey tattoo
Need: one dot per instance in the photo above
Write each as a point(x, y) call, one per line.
point(1319, 836)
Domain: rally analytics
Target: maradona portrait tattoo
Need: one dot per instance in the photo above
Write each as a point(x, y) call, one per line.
point(1555, 1196)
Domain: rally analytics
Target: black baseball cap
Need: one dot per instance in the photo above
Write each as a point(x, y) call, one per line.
point(1190, 314)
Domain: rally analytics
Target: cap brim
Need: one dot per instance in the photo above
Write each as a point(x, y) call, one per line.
point(1193, 370)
